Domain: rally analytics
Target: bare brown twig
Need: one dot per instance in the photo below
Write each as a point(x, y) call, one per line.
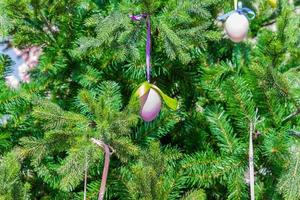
point(108, 152)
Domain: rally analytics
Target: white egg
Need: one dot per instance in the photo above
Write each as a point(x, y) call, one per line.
point(150, 105)
point(237, 26)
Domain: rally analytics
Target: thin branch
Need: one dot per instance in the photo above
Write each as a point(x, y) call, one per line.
point(49, 33)
point(291, 116)
point(252, 127)
point(294, 133)
point(269, 23)
point(85, 177)
point(108, 152)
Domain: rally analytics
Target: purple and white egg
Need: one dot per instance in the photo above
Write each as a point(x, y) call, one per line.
point(150, 105)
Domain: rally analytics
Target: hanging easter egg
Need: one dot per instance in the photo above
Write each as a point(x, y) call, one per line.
point(150, 105)
point(237, 26)
point(237, 22)
point(273, 3)
point(150, 95)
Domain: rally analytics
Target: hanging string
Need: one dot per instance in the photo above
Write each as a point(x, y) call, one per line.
point(148, 49)
point(251, 162)
point(148, 42)
point(252, 127)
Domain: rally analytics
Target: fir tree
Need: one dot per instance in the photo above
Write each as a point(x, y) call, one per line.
point(92, 61)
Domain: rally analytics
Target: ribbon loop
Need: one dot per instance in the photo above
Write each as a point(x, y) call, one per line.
point(250, 14)
point(137, 17)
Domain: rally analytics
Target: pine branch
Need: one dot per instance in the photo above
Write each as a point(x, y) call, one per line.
point(222, 129)
point(289, 182)
point(198, 194)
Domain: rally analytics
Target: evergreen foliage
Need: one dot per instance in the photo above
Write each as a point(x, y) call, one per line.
point(93, 59)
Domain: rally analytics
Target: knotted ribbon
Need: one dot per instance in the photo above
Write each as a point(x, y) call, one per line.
point(243, 11)
point(238, 9)
point(146, 86)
